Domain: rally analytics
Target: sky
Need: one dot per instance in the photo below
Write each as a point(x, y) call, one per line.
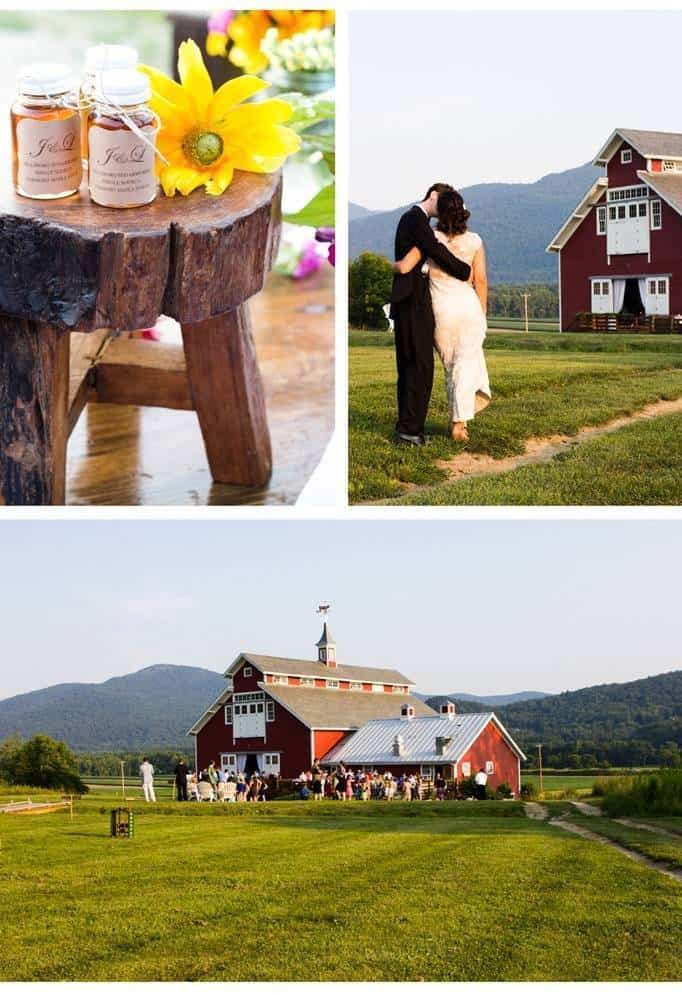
point(472, 97)
point(469, 606)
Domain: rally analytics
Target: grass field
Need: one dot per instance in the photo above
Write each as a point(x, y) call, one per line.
point(544, 384)
point(306, 892)
point(667, 851)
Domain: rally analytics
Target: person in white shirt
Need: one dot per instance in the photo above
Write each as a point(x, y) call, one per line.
point(480, 781)
point(147, 778)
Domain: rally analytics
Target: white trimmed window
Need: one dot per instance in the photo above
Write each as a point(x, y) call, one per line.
point(247, 672)
point(228, 762)
point(307, 682)
point(671, 165)
point(356, 685)
point(379, 688)
point(333, 684)
point(228, 715)
point(656, 218)
point(489, 767)
point(269, 711)
point(280, 679)
point(626, 156)
point(601, 221)
point(466, 770)
point(271, 763)
point(426, 772)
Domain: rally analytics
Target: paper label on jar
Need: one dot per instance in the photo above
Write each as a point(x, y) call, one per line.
point(49, 156)
point(120, 167)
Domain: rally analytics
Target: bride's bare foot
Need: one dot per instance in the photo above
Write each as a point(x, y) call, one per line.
point(482, 401)
point(460, 433)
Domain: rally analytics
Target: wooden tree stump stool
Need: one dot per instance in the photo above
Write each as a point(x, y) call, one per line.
point(69, 267)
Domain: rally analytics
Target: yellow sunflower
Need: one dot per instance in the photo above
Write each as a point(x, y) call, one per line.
point(247, 30)
point(206, 135)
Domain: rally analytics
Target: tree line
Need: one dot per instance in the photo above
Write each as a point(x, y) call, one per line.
point(369, 288)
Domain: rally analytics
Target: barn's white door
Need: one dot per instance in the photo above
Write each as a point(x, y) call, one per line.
point(270, 763)
point(248, 718)
point(602, 297)
point(657, 295)
point(627, 229)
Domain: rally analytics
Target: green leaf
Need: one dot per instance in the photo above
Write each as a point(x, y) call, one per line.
point(323, 143)
point(319, 212)
point(308, 111)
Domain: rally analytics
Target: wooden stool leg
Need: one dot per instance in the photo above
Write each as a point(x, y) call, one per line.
point(227, 392)
point(34, 389)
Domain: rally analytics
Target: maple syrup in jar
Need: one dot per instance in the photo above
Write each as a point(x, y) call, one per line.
point(122, 134)
point(46, 152)
point(100, 59)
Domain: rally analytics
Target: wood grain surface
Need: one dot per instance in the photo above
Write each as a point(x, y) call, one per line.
point(123, 455)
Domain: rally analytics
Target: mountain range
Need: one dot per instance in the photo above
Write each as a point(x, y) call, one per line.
point(154, 707)
point(516, 221)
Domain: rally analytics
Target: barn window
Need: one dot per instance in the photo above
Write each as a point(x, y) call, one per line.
point(612, 214)
point(252, 709)
point(656, 220)
point(333, 684)
point(356, 685)
point(426, 772)
point(621, 210)
point(247, 672)
point(466, 770)
point(228, 715)
point(601, 220)
point(671, 166)
point(307, 682)
point(269, 711)
point(632, 210)
point(663, 286)
point(626, 156)
point(489, 767)
point(378, 687)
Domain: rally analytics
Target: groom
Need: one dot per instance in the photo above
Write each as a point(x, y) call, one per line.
point(411, 310)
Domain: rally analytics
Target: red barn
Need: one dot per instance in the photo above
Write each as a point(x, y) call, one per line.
point(278, 715)
point(456, 746)
point(620, 252)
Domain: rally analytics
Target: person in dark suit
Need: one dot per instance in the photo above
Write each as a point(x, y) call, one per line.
point(413, 315)
point(181, 779)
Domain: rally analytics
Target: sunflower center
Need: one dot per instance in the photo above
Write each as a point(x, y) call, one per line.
point(202, 147)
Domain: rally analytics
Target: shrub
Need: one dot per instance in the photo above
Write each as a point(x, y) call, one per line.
point(647, 794)
point(504, 790)
point(528, 791)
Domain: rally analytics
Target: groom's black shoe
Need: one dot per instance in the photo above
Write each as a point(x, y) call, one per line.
point(409, 440)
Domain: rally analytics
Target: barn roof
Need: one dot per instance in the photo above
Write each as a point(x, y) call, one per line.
point(319, 708)
point(649, 144)
point(373, 743)
point(668, 186)
point(592, 197)
point(313, 668)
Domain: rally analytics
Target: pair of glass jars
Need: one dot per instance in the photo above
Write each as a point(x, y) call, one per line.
point(107, 129)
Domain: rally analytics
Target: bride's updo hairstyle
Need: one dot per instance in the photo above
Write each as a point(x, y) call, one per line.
point(452, 214)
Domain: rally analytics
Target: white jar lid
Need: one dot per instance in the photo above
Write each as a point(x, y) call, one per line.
point(44, 79)
point(100, 58)
point(124, 87)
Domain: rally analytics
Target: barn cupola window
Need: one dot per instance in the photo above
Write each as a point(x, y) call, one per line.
point(447, 710)
point(626, 156)
point(407, 712)
point(326, 648)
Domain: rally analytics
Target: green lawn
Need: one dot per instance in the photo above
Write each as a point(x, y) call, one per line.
point(543, 384)
point(307, 892)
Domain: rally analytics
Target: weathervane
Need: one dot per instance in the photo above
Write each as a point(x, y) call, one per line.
point(323, 610)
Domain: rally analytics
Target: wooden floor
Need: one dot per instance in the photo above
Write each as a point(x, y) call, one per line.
point(152, 456)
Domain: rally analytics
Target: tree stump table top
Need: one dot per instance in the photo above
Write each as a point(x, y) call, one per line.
point(79, 267)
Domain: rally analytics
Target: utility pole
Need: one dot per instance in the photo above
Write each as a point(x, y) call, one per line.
point(525, 309)
point(540, 765)
point(123, 779)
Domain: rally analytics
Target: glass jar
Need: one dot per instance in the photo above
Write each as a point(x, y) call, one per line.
point(100, 59)
point(46, 153)
point(122, 134)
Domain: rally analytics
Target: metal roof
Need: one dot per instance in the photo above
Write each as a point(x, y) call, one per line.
point(649, 144)
point(668, 186)
point(373, 742)
point(313, 668)
point(322, 708)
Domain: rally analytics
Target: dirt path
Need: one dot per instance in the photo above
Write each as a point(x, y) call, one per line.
point(658, 830)
point(540, 449)
point(654, 865)
point(586, 809)
point(536, 811)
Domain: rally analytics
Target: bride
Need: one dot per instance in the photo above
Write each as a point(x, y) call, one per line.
point(459, 310)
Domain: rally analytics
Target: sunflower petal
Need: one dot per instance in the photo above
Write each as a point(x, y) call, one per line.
point(255, 116)
point(167, 89)
point(194, 75)
point(220, 179)
point(232, 93)
point(273, 140)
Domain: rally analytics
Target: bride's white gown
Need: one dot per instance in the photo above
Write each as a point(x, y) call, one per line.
point(460, 329)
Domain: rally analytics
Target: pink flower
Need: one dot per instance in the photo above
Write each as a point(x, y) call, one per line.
point(220, 21)
point(308, 262)
point(328, 235)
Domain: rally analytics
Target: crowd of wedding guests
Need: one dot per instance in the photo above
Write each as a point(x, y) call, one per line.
point(212, 783)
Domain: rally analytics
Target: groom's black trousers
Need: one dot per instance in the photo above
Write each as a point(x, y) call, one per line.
point(414, 326)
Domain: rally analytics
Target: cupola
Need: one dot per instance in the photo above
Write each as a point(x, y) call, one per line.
point(326, 647)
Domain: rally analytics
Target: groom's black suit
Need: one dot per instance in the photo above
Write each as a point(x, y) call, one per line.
point(413, 315)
